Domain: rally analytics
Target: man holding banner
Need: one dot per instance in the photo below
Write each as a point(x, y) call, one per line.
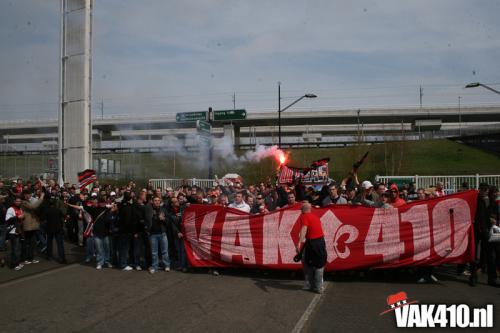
point(312, 245)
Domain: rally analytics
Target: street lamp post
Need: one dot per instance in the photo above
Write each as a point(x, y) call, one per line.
point(286, 108)
point(477, 84)
point(459, 117)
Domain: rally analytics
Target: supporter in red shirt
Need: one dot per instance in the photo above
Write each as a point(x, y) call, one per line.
point(312, 224)
point(312, 243)
point(396, 201)
point(291, 202)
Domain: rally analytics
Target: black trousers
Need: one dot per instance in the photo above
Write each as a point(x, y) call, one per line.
point(29, 245)
point(59, 237)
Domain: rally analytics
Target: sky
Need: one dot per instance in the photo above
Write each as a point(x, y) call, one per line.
point(158, 57)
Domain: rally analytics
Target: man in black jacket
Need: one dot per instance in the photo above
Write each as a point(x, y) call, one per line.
point(156, 226)
point(125, 229)
point(101, 230)
point(175, 218)
point(54, 227)
point(3, 224)
point(481, 233)
point(140, 239)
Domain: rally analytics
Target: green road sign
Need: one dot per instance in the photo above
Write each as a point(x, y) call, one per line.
point(230, 114)
point(203, 127)
point(190, 116)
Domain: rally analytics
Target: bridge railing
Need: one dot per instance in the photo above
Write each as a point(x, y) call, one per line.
point(451, 183)
point(175, 183)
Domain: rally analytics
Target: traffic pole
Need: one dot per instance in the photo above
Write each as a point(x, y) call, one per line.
point(210, 146)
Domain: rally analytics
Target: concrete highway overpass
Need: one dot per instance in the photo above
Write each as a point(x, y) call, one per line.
point(313, 125)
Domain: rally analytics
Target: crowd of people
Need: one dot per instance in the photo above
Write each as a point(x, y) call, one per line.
point(140, 228)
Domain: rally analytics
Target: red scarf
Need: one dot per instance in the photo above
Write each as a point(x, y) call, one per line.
point(18, 211)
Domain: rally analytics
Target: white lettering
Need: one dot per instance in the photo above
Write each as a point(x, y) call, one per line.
point(413, 316)
point(237, 226)
point(401, 316)
point(426, 315)
point(278, 237)
point(201, 243)
point(440, 316)
point(442, 228)
point(418, 217)
point(463, 315)
point(334, 230)
point(384, 224)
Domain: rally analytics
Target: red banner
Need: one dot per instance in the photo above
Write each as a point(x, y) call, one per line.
point(428, 232)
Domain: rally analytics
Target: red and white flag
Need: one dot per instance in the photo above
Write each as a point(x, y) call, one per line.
point(86, 177)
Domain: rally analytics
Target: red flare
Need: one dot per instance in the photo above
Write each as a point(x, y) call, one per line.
point(281, 157)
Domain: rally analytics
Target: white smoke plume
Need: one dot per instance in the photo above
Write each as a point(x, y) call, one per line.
point(224, 149)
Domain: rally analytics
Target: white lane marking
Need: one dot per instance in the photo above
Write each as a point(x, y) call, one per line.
point(38, 275)
point(307, 313)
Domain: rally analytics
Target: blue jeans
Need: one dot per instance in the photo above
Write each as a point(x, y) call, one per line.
point(102, 249)
point(40, 239)
point(159, 242)
point(89, 248)
point(59, 236)
point(3, 235)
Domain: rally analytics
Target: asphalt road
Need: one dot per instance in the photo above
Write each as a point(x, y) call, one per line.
point(77, 297)
point(354, 304)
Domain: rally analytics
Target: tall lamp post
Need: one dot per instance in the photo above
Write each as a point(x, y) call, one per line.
point(459, 116)
point(477, 84)
point(286, 108)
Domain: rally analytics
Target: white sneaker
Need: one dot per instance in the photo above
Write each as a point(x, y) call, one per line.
point(433, 278)
point(35, 261)
point(421, 280)
point(138, 268)
point(167, 269)
point(18, 267)
point(127, 268)
point(27, 262)
point(319, 291)
point(151, 271)
point(98, 267)
point(109, 266)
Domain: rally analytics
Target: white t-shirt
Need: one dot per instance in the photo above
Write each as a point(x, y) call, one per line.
point(243, 206)
point(8, 215)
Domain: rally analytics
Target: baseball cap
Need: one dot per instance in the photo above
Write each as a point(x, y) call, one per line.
point(93, 194)
point(366, 184)
point(113, 193)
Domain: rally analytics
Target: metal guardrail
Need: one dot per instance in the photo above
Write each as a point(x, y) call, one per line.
point(175, 183)
point(451, 183)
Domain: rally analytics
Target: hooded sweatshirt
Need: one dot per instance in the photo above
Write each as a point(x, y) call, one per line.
point(398, 202)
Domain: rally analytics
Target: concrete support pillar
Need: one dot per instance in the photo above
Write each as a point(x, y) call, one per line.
point(236, 136)
point(229, 132)
point(75, 125)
